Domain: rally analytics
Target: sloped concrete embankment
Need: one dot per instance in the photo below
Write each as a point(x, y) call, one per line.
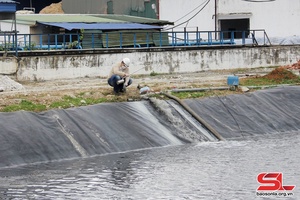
point(27, 137)
point(271, 111)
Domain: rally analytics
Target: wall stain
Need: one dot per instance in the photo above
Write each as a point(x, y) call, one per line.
point(36, 61)
point(147, 62)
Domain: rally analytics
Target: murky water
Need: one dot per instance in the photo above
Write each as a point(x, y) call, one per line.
point(206, 170)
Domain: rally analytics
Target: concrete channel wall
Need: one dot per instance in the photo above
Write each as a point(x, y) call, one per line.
point(41, 66)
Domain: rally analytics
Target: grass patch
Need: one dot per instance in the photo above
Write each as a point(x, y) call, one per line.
point(260, 81)
point(188, 95)
point(24, 105)
point(153, 73)
point(203, 94)
point(69, 101)
point(66, 102)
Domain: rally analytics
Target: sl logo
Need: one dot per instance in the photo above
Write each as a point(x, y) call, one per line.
point(272, 182)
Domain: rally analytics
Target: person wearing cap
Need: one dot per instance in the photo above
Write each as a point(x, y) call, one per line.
point(119, 77)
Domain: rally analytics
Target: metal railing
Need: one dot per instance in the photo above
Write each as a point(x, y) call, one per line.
point(141, 39)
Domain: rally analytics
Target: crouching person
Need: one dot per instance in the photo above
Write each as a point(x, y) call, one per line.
point(119, 77)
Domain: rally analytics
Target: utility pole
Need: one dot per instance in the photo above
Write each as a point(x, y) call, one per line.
point(216, 18)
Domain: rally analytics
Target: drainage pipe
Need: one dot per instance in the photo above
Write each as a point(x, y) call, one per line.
point(197, 117)
point(270, 86)
point(199, 89)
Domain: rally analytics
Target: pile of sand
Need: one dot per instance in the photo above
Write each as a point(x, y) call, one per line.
point(7, 84)
point(54, 8)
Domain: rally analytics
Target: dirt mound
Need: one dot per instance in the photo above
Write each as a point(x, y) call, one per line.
point(54, 8)
point(280, 73)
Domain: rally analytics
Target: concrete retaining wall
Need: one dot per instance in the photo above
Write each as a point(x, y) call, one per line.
point(8, 66)
point(159, 61)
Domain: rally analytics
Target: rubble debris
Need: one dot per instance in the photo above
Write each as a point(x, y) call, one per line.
point(244, 89)
point(7, 84)
point(295, 66)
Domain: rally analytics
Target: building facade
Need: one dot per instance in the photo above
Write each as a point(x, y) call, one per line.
point(279, 18)
point(141, 8)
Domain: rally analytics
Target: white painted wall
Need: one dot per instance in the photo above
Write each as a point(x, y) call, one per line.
point(280, 18)
point(98, 65)
point(8, 26)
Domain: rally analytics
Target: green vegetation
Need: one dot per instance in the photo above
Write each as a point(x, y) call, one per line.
point(25, 105)
point(68, 102)
point(265, 81)
point(153, 73)
point(202, 94)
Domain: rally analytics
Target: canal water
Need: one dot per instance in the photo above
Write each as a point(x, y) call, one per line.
point(204, 170)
